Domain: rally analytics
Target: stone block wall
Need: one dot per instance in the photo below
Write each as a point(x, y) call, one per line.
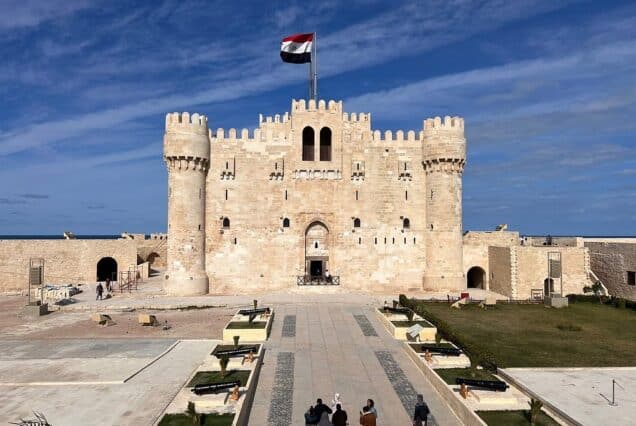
point(611, 261)
point(66, 261)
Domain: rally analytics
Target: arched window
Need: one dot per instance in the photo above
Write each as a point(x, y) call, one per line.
point(406, 223)
point(308, 144)
point(356, 222)
point(285, 223)
point(226, 223)
point(325, 144)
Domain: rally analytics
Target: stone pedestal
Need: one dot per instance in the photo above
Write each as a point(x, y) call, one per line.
point(35, 310)
point(556, 301)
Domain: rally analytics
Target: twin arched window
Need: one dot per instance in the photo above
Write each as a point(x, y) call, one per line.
point(309, 144)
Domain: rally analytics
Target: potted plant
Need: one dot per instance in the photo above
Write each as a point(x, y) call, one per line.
point(223, 362)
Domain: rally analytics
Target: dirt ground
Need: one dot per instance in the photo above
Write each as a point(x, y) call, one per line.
point(185, 324)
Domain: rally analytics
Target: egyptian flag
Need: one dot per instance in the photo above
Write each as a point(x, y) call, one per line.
point(296, 49)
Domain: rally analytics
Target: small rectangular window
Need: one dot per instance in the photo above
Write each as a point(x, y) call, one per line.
point(413, 240)
point(234, 241)
point(631, 277)
point(404, 240)
point(226, 194)
point(406, 195)
point(375, 240)
point(285, 194)
point(359, 240)
point(384, 240)
point(356, 195)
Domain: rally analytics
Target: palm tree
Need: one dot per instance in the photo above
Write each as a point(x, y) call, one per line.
point(535, 409)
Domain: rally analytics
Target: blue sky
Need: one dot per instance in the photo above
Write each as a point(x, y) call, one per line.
point(547, 89)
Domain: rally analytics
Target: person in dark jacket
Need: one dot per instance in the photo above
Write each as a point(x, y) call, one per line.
point(310, 417)
point(420, 416)
point(339, 417)
point(100, 291)
point(320, 408)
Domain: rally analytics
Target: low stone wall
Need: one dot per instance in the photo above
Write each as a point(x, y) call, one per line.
point(65, 261)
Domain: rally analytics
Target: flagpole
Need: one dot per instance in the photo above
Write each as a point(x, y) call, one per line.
point(315, 45)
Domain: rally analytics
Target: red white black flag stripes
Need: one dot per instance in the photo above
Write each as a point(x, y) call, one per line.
point(296, 49)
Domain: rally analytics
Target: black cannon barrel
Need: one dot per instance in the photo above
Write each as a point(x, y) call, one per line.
point(203, 389)
point(397, 310)
point(442, 351)
point(496, 385)
point(253, 311)
point(235, 352)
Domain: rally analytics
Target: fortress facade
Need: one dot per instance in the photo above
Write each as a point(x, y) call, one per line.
point(314, 196)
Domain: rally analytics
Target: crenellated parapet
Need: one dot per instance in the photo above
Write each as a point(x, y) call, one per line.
point(327, 106)
point(186, 144)
point(443, 145)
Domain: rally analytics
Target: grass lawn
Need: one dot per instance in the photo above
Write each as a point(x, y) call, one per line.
point(211, 377)
point(245, 324)
point(423, 323)
point(536, 336)
point(514, 418)
point(421, 347)
point(208, 420)
point(450, 374)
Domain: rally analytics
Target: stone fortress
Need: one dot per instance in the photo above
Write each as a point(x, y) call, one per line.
point(319, 190)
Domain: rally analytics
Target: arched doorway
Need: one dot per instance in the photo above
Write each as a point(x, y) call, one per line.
point(476, 278)
point(107, 268)
point(316, 250)
point(548, 287)
point(152, 257)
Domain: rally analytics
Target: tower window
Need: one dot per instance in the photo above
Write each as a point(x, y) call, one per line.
point(375, 240)
point(406, 223)
point(286, 223)
point(356, 195)
point(235, 241)
point(316, 245)
point(227, 165)
point(308, 144)
point(356, 222)
point(431, 226)
point(325, 144)
point(359, 240)
point(226, 195)
point(226, 223)
point(393, 242)
point(384, 240)
point(631, 277)
point(285, 194)
point(406, 195)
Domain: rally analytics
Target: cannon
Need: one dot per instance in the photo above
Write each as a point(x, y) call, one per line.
point(441, 351)
point(397, 310)
point(235, 352)
point(496, 385)
point(204, 388)
point(253, 311)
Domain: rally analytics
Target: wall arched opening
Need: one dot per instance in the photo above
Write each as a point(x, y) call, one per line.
point(316, 250)
point(152, 257)
point(476, 278)
point(308, 144)
point(107, 268)
point(325, 144)
point(548, 287)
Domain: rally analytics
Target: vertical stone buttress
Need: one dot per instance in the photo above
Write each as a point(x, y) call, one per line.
point(186, 148)
point(444, 156)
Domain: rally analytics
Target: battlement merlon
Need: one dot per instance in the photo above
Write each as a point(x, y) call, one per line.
point(444, 143)
point(187, 138)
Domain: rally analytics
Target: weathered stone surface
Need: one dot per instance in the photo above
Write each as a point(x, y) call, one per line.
point(280, 410)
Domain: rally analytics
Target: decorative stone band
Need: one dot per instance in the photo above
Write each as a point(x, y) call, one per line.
point(444, 165)
point(186, 163)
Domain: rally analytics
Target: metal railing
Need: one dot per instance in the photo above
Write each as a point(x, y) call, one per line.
point(313, 280)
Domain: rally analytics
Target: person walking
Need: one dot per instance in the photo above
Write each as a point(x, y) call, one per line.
point(335, 401)
point(339, 417)
point(366, 417)
point(372, 410)
point(324, 419)
point(100, 291)
point(320, 408)
point(420, 416)
point(310, 417)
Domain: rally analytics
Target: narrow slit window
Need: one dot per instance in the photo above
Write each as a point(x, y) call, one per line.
point(356, 195)
point(226, 195)
point(406, 195)
point(285, 194)
point(359, 240)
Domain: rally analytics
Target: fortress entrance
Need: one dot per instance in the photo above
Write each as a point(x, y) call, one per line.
point(476, 278)
point(316, 250)
point(107, 268)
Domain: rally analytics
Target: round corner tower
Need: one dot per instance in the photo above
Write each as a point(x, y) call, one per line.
point(443, 157)
point(186, 152)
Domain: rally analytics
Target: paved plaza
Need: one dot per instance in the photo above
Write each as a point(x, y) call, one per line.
point(338, 347)
point(583, 394)
point(94, 382)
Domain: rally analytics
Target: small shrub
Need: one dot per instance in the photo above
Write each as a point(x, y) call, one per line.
point(223, 362)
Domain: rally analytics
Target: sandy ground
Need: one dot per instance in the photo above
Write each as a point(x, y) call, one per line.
point(184, 324)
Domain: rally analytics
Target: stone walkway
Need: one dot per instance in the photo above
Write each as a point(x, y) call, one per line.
point(338, 347)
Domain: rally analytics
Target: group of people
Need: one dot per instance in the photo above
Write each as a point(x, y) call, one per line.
point(99, 289)
point(319, 414)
